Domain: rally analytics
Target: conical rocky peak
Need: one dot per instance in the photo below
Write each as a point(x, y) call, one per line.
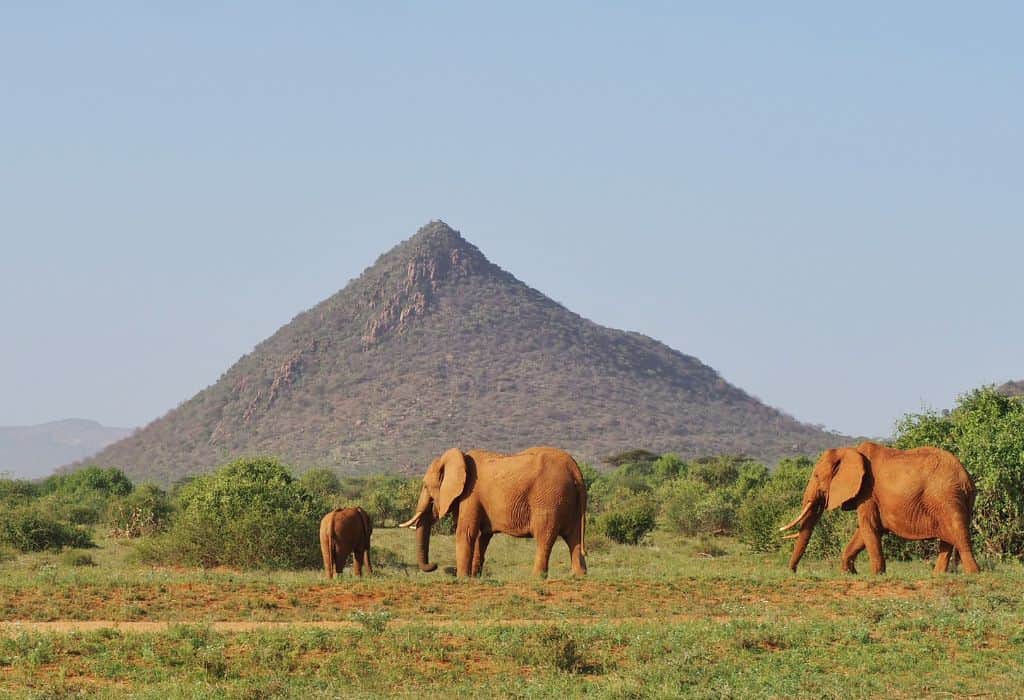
point(434, 346)
point(405, 282)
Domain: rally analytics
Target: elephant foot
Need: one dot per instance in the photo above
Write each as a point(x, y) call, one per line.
point(850, 569)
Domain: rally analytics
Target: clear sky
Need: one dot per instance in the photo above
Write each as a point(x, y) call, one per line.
point(823, 203)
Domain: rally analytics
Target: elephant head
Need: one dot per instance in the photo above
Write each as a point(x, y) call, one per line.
point(443, 484)
point(836, 480)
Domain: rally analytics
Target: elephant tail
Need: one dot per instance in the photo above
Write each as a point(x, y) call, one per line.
point(581, 490)
point(364, 519)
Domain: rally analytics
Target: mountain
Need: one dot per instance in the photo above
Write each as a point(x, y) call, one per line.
point(435, 346)
point(1012, 388)
point(32, 451)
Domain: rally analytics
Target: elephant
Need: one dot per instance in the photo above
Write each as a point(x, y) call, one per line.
point(346, 531)
point(536, 493)
point(917, 494)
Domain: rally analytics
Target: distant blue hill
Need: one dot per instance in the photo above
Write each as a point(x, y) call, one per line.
point(33, 451)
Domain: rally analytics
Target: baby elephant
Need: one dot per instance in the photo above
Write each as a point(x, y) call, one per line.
point(345, 531)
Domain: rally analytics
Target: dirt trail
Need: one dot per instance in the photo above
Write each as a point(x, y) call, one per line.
point(12, 627)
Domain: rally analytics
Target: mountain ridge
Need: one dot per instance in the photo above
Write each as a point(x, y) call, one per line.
point(1013, 388)
point(32, 451)
point(434, 345)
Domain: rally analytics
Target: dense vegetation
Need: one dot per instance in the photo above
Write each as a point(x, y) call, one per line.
point(435, 346)
point(255, 513)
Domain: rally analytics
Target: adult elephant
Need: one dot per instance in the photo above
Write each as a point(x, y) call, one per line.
point(537, 493)
point(917, 494)
point(346, 531)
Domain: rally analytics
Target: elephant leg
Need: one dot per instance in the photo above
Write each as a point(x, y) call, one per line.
point(961, 539)
point(328, 561)
point(465, 547)
point(366, 560)
point(480, 551)
point(545, 541)
point(576, 558)
point(855, 547)
point(869, 525)
point(357, 564)
point(945, 554)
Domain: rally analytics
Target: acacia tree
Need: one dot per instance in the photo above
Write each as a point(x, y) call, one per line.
point(986, 432)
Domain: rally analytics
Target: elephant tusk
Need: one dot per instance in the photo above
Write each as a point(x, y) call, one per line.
point(791, 536)
point(413, 522)
point(797, 518)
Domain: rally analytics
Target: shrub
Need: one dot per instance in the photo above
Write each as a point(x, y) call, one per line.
point(758, 519)
point(323, 485)
point(668, 467)
point(31, 529)
point(17, 492)
point(110, 482)
point(690, 507)
point(389, 500)
point(718, 472)
point(629, 522)
point(143, 512)
point(82, 497)
point(251, 513)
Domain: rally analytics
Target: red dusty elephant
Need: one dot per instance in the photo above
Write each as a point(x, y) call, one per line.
point(345, 531)
point(918, 494)
point(537, 493)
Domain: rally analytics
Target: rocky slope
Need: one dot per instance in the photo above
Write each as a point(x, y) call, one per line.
point(435, 346)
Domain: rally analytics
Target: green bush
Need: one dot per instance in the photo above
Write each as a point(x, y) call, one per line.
point(690, 507)
point(629, 521)
point(15, 492)
point(324, 485)
point(31, 529)
point(389, 500)
point(667, 467)
point(144, 511)
point(110, 482)
point(82, 496)
point(249, 514)
point(718, 472)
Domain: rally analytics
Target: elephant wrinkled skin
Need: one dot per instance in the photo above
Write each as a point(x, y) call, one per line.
point(346, 531)
point(918, 494)
point(537, 493)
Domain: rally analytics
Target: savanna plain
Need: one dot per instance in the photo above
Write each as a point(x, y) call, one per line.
point(673, 617)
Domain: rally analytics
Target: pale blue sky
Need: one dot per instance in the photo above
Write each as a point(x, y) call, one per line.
point(823, 204)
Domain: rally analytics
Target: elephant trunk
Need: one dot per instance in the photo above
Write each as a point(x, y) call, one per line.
point(423, 540)
point(803, 537)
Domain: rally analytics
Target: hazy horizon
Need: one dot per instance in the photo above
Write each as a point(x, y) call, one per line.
point(821, 205)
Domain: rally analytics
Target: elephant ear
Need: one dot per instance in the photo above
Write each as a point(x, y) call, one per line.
point(847, 477)
point(453, 480)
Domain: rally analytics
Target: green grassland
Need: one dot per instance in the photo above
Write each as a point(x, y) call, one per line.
point(671, 618)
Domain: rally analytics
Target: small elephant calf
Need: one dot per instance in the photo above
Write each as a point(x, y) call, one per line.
point(345, 531)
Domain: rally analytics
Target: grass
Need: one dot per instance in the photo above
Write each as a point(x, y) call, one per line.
point(654, 621)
